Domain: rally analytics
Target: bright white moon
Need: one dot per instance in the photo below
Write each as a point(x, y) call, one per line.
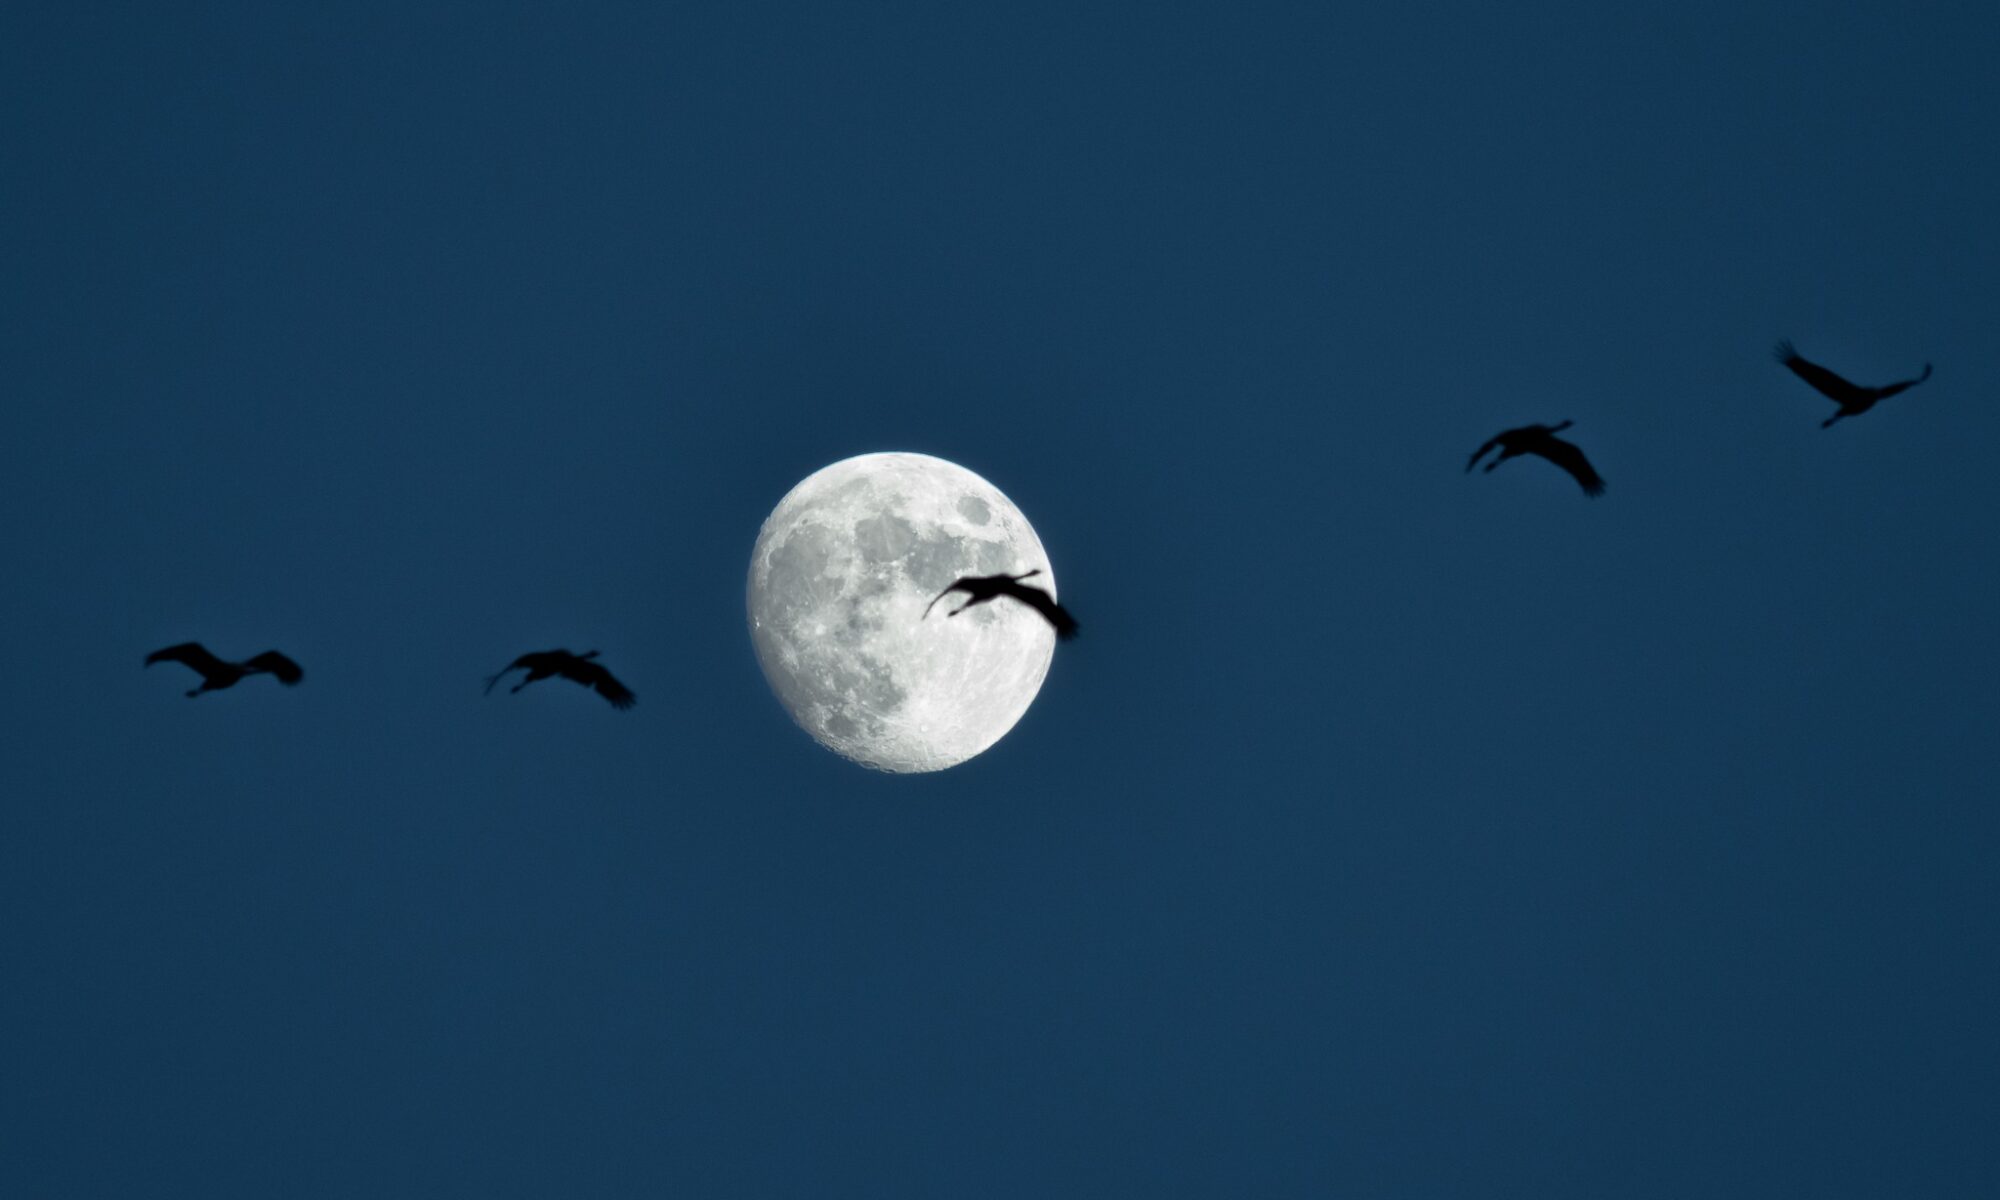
point(839, 579)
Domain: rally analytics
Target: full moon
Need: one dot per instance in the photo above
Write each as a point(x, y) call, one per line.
point(839, 579)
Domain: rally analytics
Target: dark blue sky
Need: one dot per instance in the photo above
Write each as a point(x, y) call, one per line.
point(1389, 832)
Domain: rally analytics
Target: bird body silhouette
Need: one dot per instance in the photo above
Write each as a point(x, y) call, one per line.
point(544, 664)
point(981, 588)
point(1853, 398)
point(1542, 440)
point(217, 674)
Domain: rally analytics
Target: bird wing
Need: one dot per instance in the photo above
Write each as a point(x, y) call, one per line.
point(1570, 459)
point(287, 671)
point(1889, 389)
point(592, 675)
point(1045, 604)
point(1476, 454)
point(1823, 381)
point(192, 654)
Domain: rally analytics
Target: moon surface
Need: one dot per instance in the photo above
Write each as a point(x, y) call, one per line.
point(839, 578)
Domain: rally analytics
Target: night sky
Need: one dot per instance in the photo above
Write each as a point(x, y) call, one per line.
point(1389, 832)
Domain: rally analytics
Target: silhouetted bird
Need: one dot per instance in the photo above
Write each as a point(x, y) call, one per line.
point(1542, 440)
point(1853, 398)
point(217, 674)
point(544, 663)
point(982, 588)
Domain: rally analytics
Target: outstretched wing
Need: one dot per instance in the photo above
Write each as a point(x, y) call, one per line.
point(1571, 459)
point(1045, 604)
point(1476, 454)
point(287, 671)
point(1823, 381)
point(1889, 389)
point(592, 675)
point(192, 654)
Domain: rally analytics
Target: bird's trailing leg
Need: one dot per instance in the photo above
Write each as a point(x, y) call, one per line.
point(941, 595)
point(1828, 423)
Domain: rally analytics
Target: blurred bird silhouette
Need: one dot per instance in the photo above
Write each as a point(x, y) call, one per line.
point(1853, 398)
point(1542, 440)
point(981, 588)
point(217, 674)
point(542, 664)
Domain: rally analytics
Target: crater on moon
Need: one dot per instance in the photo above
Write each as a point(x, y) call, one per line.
point(839, 579)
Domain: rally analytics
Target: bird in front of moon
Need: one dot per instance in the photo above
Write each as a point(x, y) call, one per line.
point(838, 584)
point(981, 589)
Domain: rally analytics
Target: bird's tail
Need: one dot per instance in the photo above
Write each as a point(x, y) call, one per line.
point(273, 663)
